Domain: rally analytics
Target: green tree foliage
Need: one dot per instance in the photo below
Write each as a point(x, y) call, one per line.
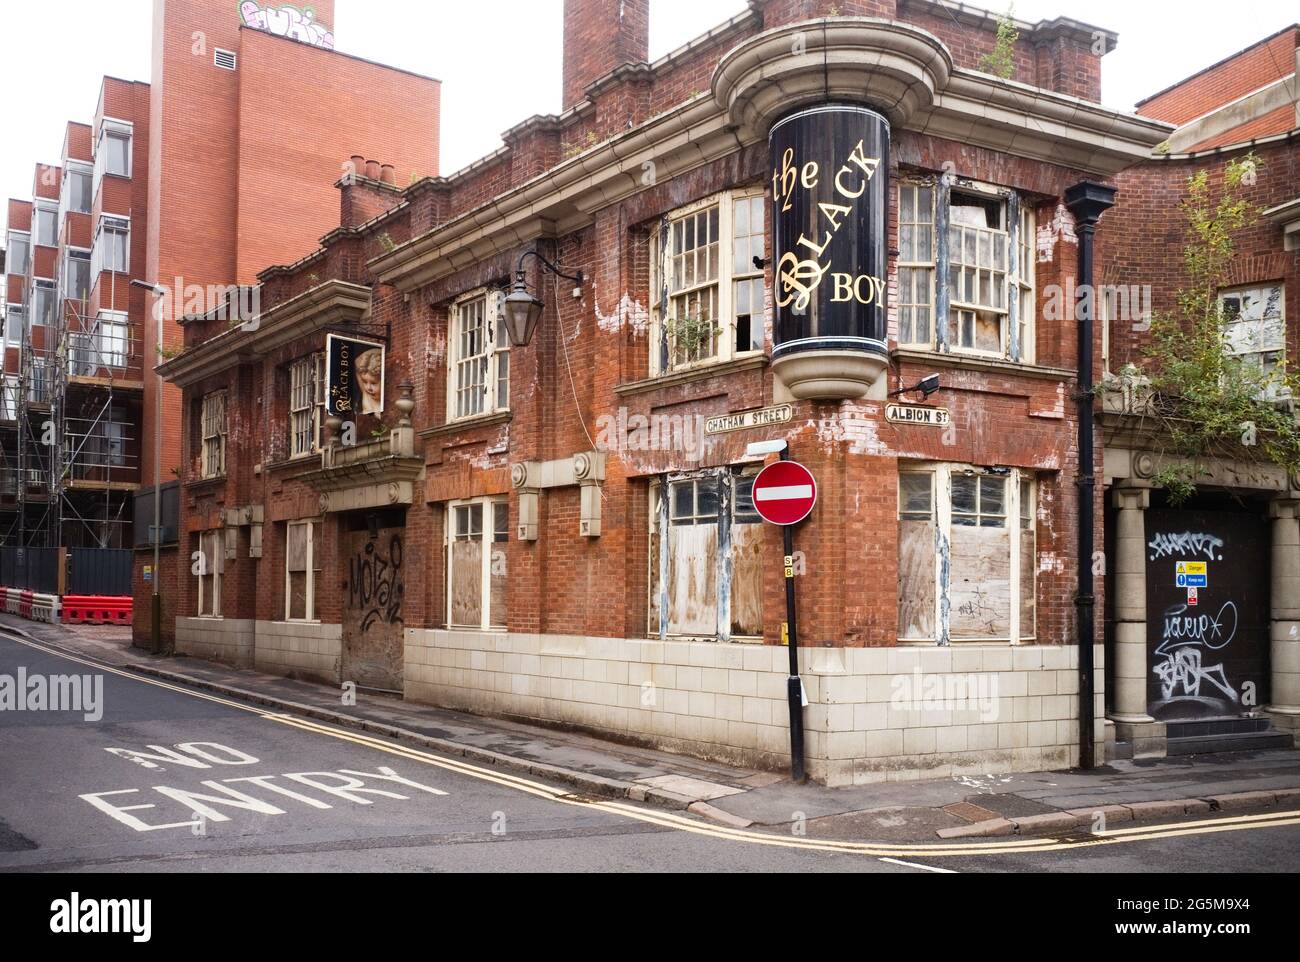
point(1210, 401)
point(1001, 62)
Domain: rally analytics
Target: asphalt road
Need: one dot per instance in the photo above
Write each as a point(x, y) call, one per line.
point(172, 779)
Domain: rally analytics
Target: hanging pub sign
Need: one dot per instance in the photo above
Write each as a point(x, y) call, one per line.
point(830, 173)
point(354, 377)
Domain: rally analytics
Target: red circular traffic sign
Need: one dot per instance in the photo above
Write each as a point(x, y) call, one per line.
point(784, 493)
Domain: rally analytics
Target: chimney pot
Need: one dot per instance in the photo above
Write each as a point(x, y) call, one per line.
point(372, 169)
point(388, 174)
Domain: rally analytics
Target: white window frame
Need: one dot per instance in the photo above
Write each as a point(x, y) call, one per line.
point(14, 237)
point(1022, 279)
point(920, 270)
point(71, 167)
point(15, 324)
point(1262, 353)
point(306, 405)
point(107, 231)
point(113, 339)
point(10, 392)
point(212, 430)
point(487, 536)
point(51, 209)
point(39, 286)
point(309, 604)
point(724, 283)
point(1019, 484)
point(1025, 281)
point(70, 255)
point(117, 129)
point(999, 240)
point(214, 541)
point(467, 398)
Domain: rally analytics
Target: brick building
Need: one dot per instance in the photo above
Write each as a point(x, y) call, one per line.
point(565, 530)
point(222, 164)
point(1212, 661)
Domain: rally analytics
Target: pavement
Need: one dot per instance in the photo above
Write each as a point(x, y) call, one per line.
point(993, 804)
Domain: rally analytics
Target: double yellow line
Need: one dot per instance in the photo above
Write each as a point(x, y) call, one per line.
point(672, 820)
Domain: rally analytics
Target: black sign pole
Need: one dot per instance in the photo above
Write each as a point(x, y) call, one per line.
point(794, 686)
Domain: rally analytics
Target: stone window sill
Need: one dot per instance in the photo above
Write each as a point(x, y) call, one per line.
point(977, 362)
point(753, 362)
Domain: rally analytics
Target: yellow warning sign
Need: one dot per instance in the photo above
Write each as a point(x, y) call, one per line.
point(1192, 568)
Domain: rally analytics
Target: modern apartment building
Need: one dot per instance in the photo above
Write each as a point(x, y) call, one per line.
point(222, 164)
point(73, 366)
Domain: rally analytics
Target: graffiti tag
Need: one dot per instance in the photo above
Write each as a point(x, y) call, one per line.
point(1184, 636)
point(1182, 669)
point(287, 21)
point(375, 583)
point(1165, 545)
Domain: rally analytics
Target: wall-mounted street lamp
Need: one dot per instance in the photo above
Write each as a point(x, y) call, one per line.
point(522, 309)
point(924, 387)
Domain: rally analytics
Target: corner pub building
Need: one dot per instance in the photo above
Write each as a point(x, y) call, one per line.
point(770, 233)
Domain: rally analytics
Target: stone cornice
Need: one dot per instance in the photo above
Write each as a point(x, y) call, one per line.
point(902, 70)
point(330, 304)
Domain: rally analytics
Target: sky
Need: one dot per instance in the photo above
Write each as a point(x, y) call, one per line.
point(500, 61)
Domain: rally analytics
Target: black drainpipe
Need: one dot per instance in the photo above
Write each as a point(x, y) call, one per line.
point(1087, 201)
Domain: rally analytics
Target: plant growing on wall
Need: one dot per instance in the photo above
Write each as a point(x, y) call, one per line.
point(1207, 398)
point(690, 337)
point(1001, 61)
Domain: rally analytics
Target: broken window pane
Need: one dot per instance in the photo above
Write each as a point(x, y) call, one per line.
point(917, 585)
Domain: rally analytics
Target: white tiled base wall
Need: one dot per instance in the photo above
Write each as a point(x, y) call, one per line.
point(728, 701)
point(277, 647)
point(299, 649)
point(225, 640)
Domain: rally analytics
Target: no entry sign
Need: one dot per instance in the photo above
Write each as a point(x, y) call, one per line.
point(784, 493)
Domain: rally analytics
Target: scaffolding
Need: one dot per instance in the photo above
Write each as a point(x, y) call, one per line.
point(74, 465)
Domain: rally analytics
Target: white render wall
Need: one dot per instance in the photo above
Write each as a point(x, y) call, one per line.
point(727, 701)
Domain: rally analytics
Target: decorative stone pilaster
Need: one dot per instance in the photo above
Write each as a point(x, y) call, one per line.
point(1129, 587)
point(1284, 616)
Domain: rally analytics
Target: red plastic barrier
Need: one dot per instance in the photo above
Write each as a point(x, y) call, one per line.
point(96, 610)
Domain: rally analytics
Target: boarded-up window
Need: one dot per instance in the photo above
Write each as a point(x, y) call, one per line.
point(477, 582)
point(980, 586)
point(697, 522)
point(1028, 560)
point(916, 572)
point(497, 575)
point(966, 554)
point(693, 557)
point(746, 561)
point(209, 566)
point(467, 566)
point(301, 562)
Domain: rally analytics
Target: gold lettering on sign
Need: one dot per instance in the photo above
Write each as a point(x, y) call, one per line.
point(800, 277)
point(798, 280)
point(867, 165)
point(848, 287)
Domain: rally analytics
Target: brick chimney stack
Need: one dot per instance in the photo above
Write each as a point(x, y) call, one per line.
point(600, 35)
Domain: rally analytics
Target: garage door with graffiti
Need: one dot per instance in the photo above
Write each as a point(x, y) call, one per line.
point(1207, 613)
